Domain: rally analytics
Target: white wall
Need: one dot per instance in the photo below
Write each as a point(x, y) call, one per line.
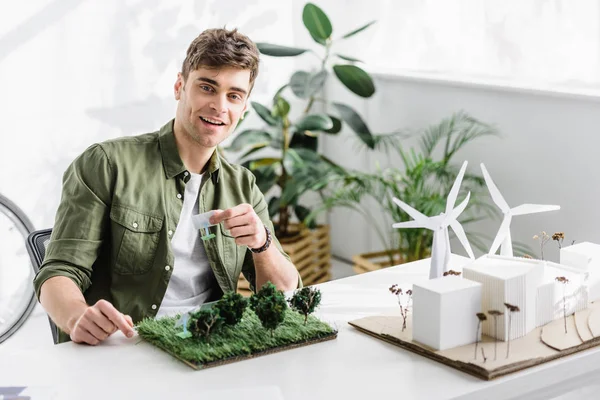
point(547, 153)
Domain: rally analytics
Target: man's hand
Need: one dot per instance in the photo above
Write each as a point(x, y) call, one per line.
point(98, 322)
point(243, 223)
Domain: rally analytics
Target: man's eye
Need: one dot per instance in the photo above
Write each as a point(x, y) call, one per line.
point(205, 88)
point(236, 97)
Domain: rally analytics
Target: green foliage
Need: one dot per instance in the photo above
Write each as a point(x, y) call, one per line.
point(269, 305)
point(305, 301)
point(299, 168)
point(423, 181)
point(205, 322)
point(231, 307)
point(242, 340)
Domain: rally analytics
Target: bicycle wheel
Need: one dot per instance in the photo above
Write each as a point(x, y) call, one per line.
point(17, 297)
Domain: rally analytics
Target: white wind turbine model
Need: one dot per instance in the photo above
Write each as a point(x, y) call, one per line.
point(440, 250)
point(503, 238)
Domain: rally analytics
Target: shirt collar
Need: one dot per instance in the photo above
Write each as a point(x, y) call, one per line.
point(172, 161)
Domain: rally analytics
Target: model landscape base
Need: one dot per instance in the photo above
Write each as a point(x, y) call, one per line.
point(541, 345)
point(246, 340)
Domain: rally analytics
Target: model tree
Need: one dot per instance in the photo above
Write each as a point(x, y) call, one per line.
point(269, 305)
point(495, 314)
point(205, 321)
point(305, 301)
point(404, 306)
point(511, 309)
point(231, 307)
point(481, 317)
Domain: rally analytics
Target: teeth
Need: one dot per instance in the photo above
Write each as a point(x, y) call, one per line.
point(212, 121)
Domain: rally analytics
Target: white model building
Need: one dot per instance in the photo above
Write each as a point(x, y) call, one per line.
point(529, 284)
point(507, 280)
point(585, 257)
point(444, 312)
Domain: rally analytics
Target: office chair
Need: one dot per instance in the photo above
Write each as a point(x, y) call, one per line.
point(36, 247)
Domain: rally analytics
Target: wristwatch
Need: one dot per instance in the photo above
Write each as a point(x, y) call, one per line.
point(264, 246)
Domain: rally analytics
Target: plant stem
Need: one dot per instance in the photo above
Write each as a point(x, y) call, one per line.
point(283, 208)
point(508, 342)
point(565, 307)
point(496, 342)
point(477, 338)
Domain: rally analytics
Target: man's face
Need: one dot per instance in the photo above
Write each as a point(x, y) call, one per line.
point(211, 102)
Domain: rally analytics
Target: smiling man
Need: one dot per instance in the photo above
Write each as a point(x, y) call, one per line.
point(124, 246)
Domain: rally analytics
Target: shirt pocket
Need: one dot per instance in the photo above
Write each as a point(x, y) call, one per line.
point(135, 240)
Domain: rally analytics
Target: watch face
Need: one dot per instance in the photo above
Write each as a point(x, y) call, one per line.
point(16, 273)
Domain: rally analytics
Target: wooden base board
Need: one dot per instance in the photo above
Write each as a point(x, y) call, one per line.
point(249, 356)
point(525, 352)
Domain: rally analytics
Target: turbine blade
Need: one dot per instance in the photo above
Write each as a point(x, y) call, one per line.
point(462, 237)
point(458, 210)
point(409, 224)
point(532, 209)
point(455, 188)
point(494, 192)
point(416, 215)
point(502, 232)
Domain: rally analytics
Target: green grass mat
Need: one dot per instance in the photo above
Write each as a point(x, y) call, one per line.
point(246, 340)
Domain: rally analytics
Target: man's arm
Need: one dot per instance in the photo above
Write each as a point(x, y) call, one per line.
point(249, 230)
point(77, 237)
point(63, 301)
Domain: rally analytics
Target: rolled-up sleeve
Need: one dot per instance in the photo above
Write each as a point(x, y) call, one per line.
point(81, 220)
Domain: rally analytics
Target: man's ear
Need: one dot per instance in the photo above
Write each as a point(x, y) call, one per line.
point(178, 87)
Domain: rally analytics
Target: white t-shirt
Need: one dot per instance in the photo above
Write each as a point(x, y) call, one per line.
point(192, 280)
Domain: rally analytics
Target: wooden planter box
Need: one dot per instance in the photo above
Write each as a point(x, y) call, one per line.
point(310, 251)
point(368, 262)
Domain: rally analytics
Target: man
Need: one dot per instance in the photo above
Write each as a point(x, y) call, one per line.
point(124, 247)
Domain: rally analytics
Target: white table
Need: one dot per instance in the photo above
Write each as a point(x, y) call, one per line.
point(353, 366)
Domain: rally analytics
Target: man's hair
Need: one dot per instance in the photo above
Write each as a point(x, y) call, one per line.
point(216, 48)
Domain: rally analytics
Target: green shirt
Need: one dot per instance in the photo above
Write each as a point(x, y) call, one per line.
point(120, 207)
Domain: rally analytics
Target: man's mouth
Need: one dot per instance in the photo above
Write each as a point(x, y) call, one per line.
point(212, 121)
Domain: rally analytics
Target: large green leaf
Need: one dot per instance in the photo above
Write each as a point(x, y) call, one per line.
point(253, 149)
point(292, 161)
point(264, 113)
point(273, 206)
point(249, 137)
point(279, 51)
point(265, 177)
point(303, 212)
point(337, 125)
point(263, 162)
point(281, 108)
point(355, 122)
point(305, 85)
point(290, 193)
point(354, 32)
point(317, 23)
point(355, 79)
point(314, 122)
point(301, 140)
point(351, 59)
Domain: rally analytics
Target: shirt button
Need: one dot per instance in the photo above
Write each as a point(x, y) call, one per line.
point(185, 173)
point(170, 233)
point(167, 268)
point(154, 306)
point(135, 224)
point(178, 195)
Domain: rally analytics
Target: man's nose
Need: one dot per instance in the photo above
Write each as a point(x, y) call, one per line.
point(219, 104)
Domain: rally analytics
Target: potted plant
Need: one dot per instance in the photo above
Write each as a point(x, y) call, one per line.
point(423, 181)
point(283, 154)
